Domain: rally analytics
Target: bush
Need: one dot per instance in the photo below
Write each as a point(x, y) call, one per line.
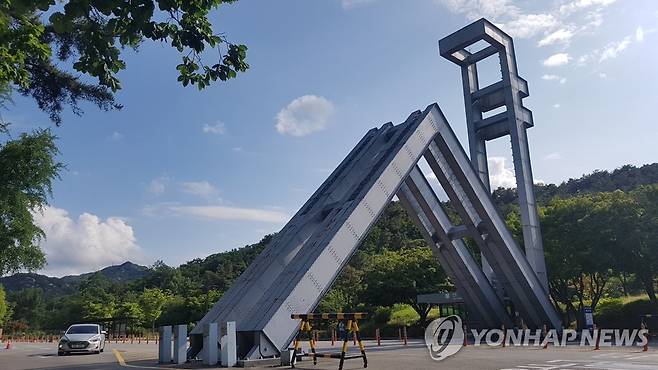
point(403, 315)
point(616, 313)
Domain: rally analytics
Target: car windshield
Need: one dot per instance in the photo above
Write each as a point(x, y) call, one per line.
point(83, 329)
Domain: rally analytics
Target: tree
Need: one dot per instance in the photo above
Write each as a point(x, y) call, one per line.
point(131, 310)
point(4, 307)
point(28, 306)
point(641, 253)
point(582, 237)
point(27, 169)
point(92, 34)
point(400, 276)
point(97, 298)
point(38, 42)
point(153, 302)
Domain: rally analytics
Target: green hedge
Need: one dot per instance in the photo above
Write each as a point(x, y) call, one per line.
point(617, 313)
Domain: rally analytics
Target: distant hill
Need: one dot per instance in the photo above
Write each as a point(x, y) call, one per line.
point(624, 178)
point(53, 286)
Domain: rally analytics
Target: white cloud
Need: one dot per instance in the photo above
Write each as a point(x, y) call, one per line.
point(304, 115)
point(231, 213)
point(557, 22)
point(553, 156)
point(561, 36)
point(639, 34)
point(556, 60)
point(157, 186)
point(499, 174)
point(86, 244)
point(613, 49)
point(556, 105)
point(603, 75)
point(202, 189)
point(219, 128)
point(549, 77)
point(474, 9)
point(115, 136)
point(351, 4)
point(576, 5)
point(529, 25)
point(582, 61)
point(507, 15)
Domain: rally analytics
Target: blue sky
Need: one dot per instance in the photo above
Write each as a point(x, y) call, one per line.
point(180, 174)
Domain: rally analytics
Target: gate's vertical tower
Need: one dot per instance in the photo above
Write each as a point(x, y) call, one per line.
point(507, 93)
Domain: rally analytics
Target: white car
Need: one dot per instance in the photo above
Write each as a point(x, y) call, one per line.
point(82, 338)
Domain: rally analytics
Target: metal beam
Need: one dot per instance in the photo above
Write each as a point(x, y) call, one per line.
point(508, 92)
point(428, 214)
point(468, 194)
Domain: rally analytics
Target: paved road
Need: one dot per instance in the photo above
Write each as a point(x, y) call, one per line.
point(391, 356)
point(44, 356)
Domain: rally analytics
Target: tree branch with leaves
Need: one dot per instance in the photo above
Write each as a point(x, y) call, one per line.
point(92, 34)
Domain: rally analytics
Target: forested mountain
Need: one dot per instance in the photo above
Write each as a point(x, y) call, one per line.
point(625, 178)
point(53, 286)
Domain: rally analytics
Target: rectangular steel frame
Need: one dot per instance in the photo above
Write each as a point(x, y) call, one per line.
point(509, 93)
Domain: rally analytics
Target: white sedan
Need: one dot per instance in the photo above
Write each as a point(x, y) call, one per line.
point(82, 338)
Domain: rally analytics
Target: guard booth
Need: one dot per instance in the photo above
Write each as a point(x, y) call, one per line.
point(451, 303)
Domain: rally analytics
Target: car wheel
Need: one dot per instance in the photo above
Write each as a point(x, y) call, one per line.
point(60, 353)
point(97, 352)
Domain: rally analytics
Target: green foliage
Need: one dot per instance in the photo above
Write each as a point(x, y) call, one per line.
point(92, 34)
point(400, 276)
point(394, 230)
point(623, 313)
point(403, 315)
point(132, 310)
point(152, 302)
point(27, 169)
point(334, 301)
point(584, 238)
point(609, 310)
point(593, 238)
point(4, 308)
point(625, 178)
point(640, 255)
point(97, 300)
point(28, 305)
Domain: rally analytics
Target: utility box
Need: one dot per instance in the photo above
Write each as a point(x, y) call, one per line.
point(228, 344)
point(210, 340)
point(180, 344)
point(164, 347)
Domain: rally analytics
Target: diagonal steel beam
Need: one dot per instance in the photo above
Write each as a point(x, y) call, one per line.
point(467, 193)
point(425, 209)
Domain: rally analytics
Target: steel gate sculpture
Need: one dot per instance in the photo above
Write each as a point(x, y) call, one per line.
point(298, 266)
